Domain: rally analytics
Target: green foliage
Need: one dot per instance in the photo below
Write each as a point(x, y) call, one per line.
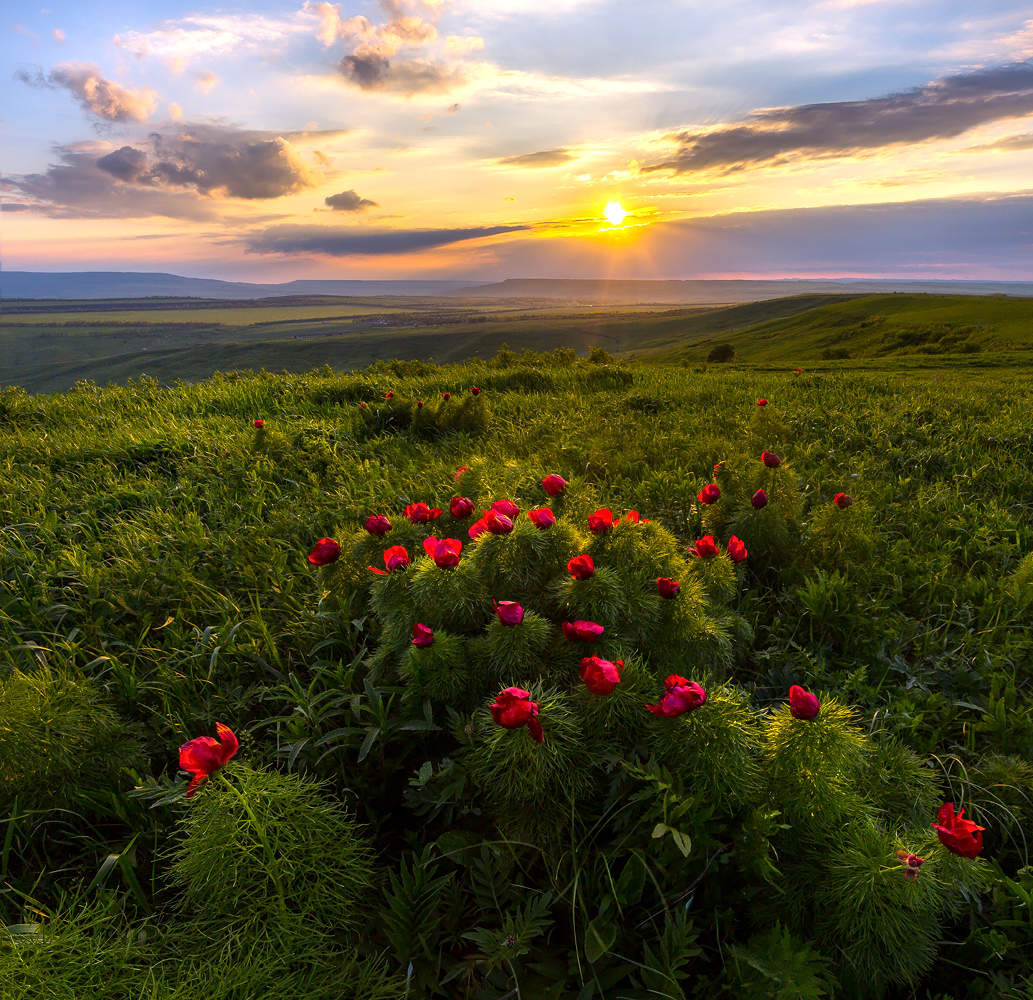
point(778, 965)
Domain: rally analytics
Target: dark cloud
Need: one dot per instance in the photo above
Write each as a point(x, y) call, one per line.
point(100, 97)
point(11, 206)
point(373, 71)
point(544, 158)
point(348, 201)
point(939, 110)
point(334, 242)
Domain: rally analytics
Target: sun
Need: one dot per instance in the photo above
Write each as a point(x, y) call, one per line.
point(614, 213)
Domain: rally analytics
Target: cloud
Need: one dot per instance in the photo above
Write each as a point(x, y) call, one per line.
point(59, 35)
point(97, 95)
point(940, 110)
point(544, 158)
point(1009, 143)
point(348, 201)
point(401, 76)
point(338, 242)
point(207, 81)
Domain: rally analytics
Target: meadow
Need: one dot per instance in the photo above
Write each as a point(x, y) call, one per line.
point(382, 832)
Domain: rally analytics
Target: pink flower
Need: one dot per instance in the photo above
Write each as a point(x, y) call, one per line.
point(325, 551)
point(444, 551)
point(802, 704)
point(842, 500)
point(541, 518)
point(762, 402)
point(422, 636)
point(460, 507)
point(203, 756)
point(554, 485)
point(581, 567)
point(710, 493)
point(395, 558)
point(582, 631)
point(667, 588)
point(506, 508)
point(770, 459)
point(377, 525)
point(509, 612)
point(420, 513)
point(959, 836)
point(705, 548)
point(736, 549)
point(259, 424)
point(600, 521)
point(760, 498)
point(513, 708)
point(600, 676)
point(680, 696)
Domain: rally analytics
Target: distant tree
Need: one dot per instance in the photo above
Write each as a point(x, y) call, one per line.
point(722, 352)
point(600, 356)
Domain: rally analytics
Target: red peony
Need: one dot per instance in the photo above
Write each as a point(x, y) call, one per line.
point(581, 567)
point(325, 551)
point(759, 499)
point(475, 391)
point(506, 508)
point(911, 863)
point(959, 836)
point(203, 756)
point(259, 424)
point(736, 549)
point(842, 500)
point(718, 466)
point(541, 518)
point(710, 493)
point(582, 631)
point(395, 558)
point(460, 507)
point(554, 485)
point(600, 676)
point(389, 395)
point(444, 551)
point(705, 548)
point(496, 523)
point(633, 517)
point(422, 636)
point(762, 402)
point(770, 459)
point(802, 704)
point(459, 472)
point(600, 521)
point(419, 404)
point(680, 696)
point(509, 612)
point(513, 708)
point(420, 513)
point(667, 588)
point(377, 525)
point(446, 395)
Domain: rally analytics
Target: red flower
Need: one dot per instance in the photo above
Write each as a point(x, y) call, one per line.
point(802, 704)
point(554, 485)
point(513, 708)
point(842, 500)
point(666, 587)
point(911, 864)
point(395, 558)
point(680, 696)
point(705, 547)
point(420, 513)
point(419, 404)
point(541, 518)
point(203, 756)
point(796, 371)
point(325, 551)
point(633, 517)
point(762, 402)
point(506, 508)
point(444, 551)
point(760, 498)
point(736, 549)
point(959, 836)
point(477, 528)
point(259, 424)
point(459, 472)
point(496, 523)
point(389, 395)
point(770, 459)
point(362, 405)
point(600, 676)
point(446, 395)
point(509, 612)
point(710, 493)
point(460, 507)
point(377, 525)
point(581, 567)
point(718, 466)
point(475, 391)
point(582, 631)
point(600, 521)
point(422, 636)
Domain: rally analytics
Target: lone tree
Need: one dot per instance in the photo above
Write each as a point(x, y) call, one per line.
point(722, 352)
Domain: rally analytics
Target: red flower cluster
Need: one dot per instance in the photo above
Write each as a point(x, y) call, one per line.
point(541, 518)
point(710, 493)
point(600, 676)
point(513, 708)
point(770, 459)
point(509, 612)
point(497, 521)
point(680, 696)
point(422, 636)
point(420, 513)
point(802, 704)
point(325, 551)
point(460, 507)
point(911, 864)
point(203, 756)
point(377, 525)
point(444, 551)
point(395, 558)
point(759, 499)
point(600, 521)
point(582, 631)
point(958, 835)
point(581, 567)
point(842, 500)
point(666, 587)
point(554, 485)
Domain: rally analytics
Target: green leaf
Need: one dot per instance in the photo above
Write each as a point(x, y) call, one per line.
point(600, 936)
point(631, 882)
point(659, 830)
point(367, 743)
point(682, 841)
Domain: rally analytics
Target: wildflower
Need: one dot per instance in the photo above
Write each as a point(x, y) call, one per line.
point(460, 507)
point(762, 402)
point(759, 499)
point(446, 396)
point(541, 518)
point(475, 391)
point(581, 567)
point(259, 424)
point(419, 404)
point(802, 704)
point(600, 521)
point(842, 500)
point(509, 612)
point(959, 836)
point(710, 493)
point(513, 708)
point(462, 468)
point(444, 551)
point(363, 405)
point(582, 631)
point(796, 371)
point(496, 523)
point(600, 676)
point(705, 548)
point(666, 587)
point(507, 508)
point(680, 696)
point(203, 756)
point(324, 552)
point(632, 517)
point(554, 485)
point(736, 549)
point(420, 513)
point(395, 558)
point(422, 636)
point(718, 466)
point(389, 395)
point(770, 459)
point(377, 525)
point(911, 864)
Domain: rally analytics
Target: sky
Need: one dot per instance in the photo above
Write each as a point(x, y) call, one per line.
point(483, 139)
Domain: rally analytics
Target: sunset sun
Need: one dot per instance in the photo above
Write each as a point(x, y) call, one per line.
point(614, 213)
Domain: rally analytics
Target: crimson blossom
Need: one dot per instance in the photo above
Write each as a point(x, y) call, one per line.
point(324, 552)
point(203, 756)
point(513, 708)
point(680, 696)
